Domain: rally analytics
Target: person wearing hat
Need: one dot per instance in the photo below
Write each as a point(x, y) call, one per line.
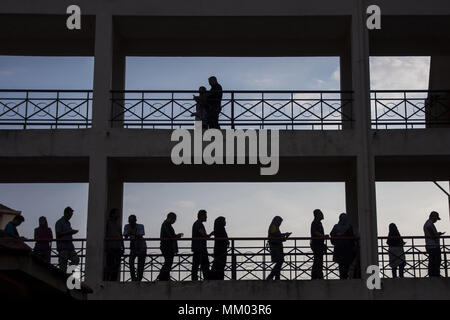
point(64, 244)
point(432, 244)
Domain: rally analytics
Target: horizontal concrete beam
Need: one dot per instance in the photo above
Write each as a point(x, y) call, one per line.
point(221, 8)
point(428, 289)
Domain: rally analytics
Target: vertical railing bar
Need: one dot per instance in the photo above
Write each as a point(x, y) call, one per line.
point(232, 110)
point(142, 109)
point(57, 109)
point(321, 111)
point(406, 110)
point(171, 115)
point(26, 109)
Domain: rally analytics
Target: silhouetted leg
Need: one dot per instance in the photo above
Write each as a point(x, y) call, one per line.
point(402, 269)
point(277, 270)
point(164, 275)
point(141, 266)
point(132, 266)
point(343, 270)
point(195, 264)
point(317, 267)
point(63, 258)
point(205, 265)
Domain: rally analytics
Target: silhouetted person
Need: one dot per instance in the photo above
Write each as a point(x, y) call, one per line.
point(344, 249)
point(214, 102)
point(396, 251)
point(432, 245)
point(138, 247)
point(220, 249)
point(317, 245)
point(276, 239)
point(199, 247)
point(11, 227)
point(42, 235)
point(201, 107)
point(64, 244)
point(114, 249)
point(169, 246)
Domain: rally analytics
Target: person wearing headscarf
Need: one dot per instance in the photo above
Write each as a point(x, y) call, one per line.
point(221, 245)
point(396, 251)
point(276, 239)
point(43, 236)
point(342, 237)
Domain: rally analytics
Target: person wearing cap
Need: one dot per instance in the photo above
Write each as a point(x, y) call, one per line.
point(432, 244)
point(64, 244)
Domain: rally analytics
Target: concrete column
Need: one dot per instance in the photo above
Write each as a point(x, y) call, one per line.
point(97, 212)
point(105, 193)
point(103, 65)
point(345, 67)
point(118, 82)
point(365, 161)
point(351, 202)
point(438, 113)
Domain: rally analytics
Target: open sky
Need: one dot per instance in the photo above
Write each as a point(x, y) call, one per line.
point(249, 208)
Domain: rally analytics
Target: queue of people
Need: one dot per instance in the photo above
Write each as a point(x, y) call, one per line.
point(342, 237)
point(43, 237)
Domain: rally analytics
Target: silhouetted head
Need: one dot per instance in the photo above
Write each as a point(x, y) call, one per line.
point(132, 219)
point(343, 219)
point(434, 216)
point(393, 230)
point(68, 213)
point(318, 215)
point(202, 216)
point(212, 80)
point(202, 90)
point(277, 221)
point(43, 222)
point(17, 220)
point(219, 223)
point(114, 214)
point(171, 217)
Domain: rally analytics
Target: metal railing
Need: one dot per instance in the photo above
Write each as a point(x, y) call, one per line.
point(80, 250)
point(410, 109)
point(45, 109)
point(415, 257)
point(309, 110)
point(249, 259)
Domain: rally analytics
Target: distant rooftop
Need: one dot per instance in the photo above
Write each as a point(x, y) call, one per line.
point(6, 210)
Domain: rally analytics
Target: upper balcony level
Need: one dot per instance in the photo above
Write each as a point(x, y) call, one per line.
point(284, 110)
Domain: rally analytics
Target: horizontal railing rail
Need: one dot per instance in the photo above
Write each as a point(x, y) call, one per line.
point(410, 109)
point(249, 258)
point(45, 109)
point(313, 110)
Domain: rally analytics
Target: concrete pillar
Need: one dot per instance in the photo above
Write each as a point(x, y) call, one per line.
point(103, 65)
point(118, 83)
point(345, 68)
point(438, 104)
point(365, 161)
point(97, 212)
point(351, 202)
point(105, 193)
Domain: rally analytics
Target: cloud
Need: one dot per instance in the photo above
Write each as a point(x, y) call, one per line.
point(6, 73)
point(399, 73)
